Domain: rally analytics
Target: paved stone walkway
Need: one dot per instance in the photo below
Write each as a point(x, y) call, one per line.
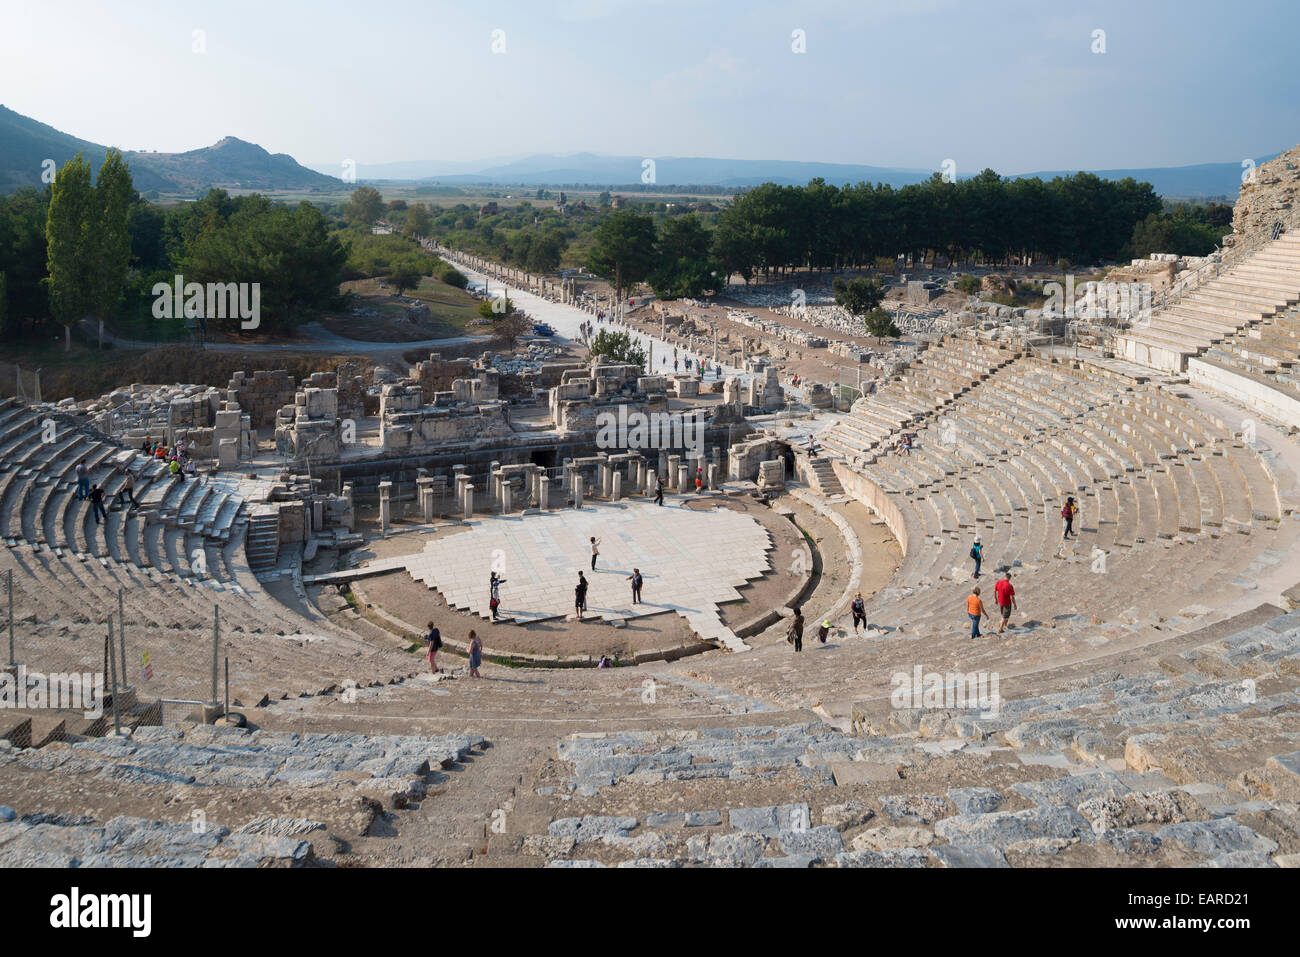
point(691, 562)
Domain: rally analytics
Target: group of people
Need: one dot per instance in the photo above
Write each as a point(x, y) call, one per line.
point(1005, 594)
point(177, 456)
point(433, 643)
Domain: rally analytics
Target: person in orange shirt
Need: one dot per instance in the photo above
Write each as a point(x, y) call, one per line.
point(975, 608)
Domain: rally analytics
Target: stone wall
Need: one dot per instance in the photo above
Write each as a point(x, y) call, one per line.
point(262, 395)
point(1269, 195)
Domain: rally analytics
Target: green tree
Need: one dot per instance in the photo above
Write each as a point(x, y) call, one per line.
point(110, 235)
point(71, 246)
point(880, 324)
point(545, 253)
point(288, 251)
point(624, 250)
point(406, 273)
point(859, 296)
point(418, 220)
point(684, 265)
point(453, 276)
point(617, 347)
point(365, 207)
point(23, 220)
point(496, 307)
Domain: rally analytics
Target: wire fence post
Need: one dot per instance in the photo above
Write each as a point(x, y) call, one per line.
point(11, 617)
point(121, 634)
point(112, 673)
point(216, 639)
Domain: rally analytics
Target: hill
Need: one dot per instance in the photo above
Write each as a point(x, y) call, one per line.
point(25, 144)
point(545, 169)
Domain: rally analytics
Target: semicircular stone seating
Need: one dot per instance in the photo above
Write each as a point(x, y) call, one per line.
point(172, 559)
point(1177, 517)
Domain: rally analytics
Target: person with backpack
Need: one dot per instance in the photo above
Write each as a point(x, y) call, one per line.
point(795, 635)
point(824, 631)
point(635, 579)
point(83, 481)
point(859, 609)
point(1006, 599)
point(97, 503)
point(977, 554)
point(1068, 511)
point(433, 641)
point(975, 608)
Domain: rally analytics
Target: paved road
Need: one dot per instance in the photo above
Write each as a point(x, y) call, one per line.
point(566, 319)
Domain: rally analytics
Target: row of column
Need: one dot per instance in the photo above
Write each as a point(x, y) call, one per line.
point(675, 468)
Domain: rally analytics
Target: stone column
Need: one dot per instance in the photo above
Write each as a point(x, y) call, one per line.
point(674, 470)
point(385, 490)
point(348, 512)
point(544, 493)
point(577, 491)
point(618, 486)
point(715, 345)
point(469, 501)
point(713, 476)
point(461, 481)
point(425, 485)
point(663, 464)
point(606, 479)
point(685, 479)
point(506, 496)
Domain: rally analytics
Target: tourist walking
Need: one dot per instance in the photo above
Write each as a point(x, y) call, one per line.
point(433, 641)
point(795, 635)
point(1005, 595)
point(824, 631)
point(699, 480)
point(975, 608)
point(595, 551)
point(83, 480)
point(859, 609)
point(977, 555)
point(1068, 511)
point(635, 579)
point(659, 490)
point(97, 503)
point(128, 490)
point(475, 654)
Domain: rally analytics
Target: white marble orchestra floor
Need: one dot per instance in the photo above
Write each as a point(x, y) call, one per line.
point(690, 561)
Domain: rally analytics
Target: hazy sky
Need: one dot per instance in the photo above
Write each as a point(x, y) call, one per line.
point(1001, 83)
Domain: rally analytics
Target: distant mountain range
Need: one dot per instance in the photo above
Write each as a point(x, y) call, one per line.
point(545, 169)
point(25, 144)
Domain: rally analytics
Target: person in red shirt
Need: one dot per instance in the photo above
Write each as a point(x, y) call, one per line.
point(1006, 597)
